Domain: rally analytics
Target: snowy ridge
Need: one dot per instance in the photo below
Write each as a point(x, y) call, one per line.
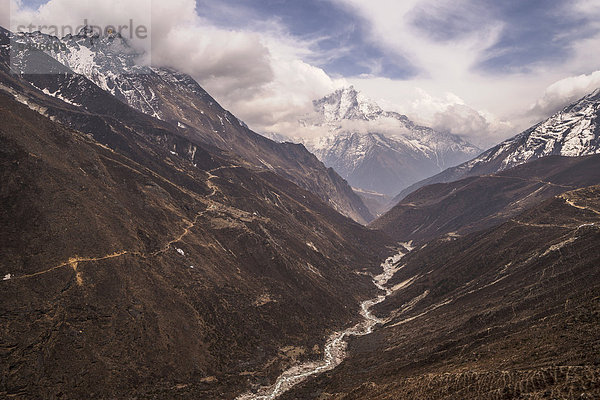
point(109, 63)
point(114, 66)
point(572, 132)
point(346, 104)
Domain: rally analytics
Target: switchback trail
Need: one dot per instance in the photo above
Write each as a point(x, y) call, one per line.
point(211, 206)
point(572, 203)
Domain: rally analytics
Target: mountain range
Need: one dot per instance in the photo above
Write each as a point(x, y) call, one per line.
point(499, 298)
point(508, 312)
point(153, 246)
point(475, 203)
point(140, 260)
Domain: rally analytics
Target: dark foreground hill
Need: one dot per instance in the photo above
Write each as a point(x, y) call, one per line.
point(509, 312)
point(131, 270)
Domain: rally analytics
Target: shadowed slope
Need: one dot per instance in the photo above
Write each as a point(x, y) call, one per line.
point(157, 273)
point(510, 312)
point(476, 203)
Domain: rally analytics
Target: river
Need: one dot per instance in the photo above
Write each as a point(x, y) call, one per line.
point(335, 347)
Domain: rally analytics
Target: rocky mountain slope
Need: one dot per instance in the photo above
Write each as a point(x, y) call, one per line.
point(475, 203)
point(574, 131)
point(173, 97)
point(509, 312)
point(139, 261)
point(379, 150)
point(144, 258)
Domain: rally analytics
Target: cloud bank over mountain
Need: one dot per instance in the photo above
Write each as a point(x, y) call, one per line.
point(471, 68)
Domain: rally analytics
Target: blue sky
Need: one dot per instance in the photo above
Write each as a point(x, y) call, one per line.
point(339, 36)
point(33, 3)
point(536, 31)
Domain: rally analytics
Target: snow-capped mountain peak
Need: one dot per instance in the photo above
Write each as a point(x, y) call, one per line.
point(346, 104)
point(109, 61)
point(379, 150)
point(91, 54)
point(87, 32)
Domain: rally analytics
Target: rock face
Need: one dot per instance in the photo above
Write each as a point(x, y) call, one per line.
point(574, 131)
point(508, 312)
point(140, 261)
point(174, 97)
point(378, 150)
point(475, 203)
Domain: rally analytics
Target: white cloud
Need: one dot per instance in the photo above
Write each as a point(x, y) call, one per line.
point(587, 7)
point(565, 91)
point(444, 111)
point(232, 62)
point(392, 25)
point(258, 74)
point(277, 105)
point(491, 106)
point(61, 17)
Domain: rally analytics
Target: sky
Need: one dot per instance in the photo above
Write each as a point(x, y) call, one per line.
point(483, 69)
